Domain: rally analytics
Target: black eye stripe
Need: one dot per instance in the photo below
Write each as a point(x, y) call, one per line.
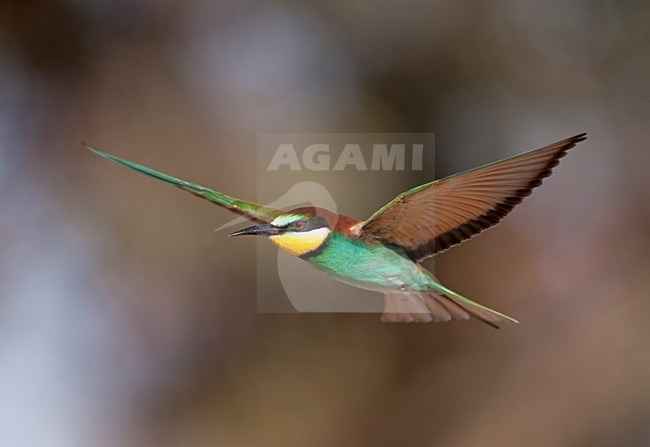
point(306, 225)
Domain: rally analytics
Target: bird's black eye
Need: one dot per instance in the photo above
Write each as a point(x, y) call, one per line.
point(299, 225)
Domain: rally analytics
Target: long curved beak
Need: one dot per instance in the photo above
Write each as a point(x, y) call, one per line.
point(257, 230)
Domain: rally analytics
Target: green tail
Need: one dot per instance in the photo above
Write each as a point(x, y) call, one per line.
point(478, 311)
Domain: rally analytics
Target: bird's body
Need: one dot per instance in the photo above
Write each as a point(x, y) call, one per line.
point(370, 266)
point(383, 253)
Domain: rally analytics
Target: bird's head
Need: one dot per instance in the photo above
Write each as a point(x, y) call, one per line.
point(301, 231)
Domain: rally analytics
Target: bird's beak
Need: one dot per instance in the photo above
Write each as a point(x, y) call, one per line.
point(257, 230)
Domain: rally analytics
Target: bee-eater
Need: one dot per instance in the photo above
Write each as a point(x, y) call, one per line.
point(383, 253)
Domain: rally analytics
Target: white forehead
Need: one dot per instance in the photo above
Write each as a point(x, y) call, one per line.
point(286, 219)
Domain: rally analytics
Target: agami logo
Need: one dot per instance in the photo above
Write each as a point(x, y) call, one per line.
point(325, 157)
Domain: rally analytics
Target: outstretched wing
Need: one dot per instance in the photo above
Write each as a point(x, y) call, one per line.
point(253, 211)
point(432, 217)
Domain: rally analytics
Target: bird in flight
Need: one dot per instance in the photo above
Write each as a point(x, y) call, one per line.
point(384, 252)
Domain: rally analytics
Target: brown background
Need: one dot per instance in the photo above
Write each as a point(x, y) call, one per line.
point(126, 320)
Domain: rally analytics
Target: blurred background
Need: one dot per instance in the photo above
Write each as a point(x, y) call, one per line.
point(125, 320)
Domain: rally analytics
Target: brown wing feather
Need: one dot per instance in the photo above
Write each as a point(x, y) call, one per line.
point(431, 218)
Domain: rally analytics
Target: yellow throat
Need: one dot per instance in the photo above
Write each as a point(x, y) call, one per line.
point(300, 243)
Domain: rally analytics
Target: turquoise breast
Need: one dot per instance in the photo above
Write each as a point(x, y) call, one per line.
point(371, 265)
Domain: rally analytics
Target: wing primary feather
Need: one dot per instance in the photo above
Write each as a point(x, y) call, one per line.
point(433, 217)
point(251, 210)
